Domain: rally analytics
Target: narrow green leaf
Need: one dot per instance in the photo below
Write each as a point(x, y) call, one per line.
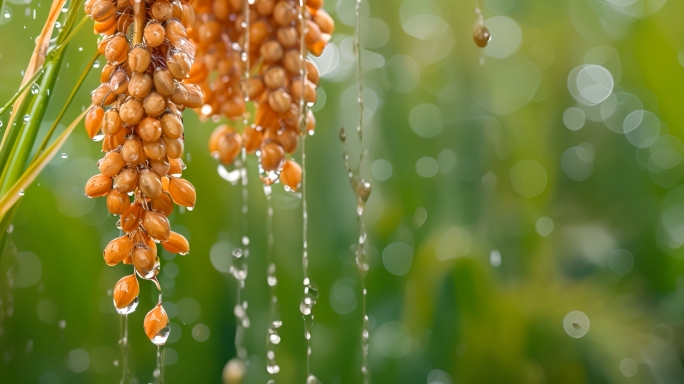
point(13, 194)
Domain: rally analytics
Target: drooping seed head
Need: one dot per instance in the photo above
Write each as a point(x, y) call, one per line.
point(98, 185)
point(117, 202)
point(177, 244)
point(117, 250)
point(182, 192)
point(157, 225)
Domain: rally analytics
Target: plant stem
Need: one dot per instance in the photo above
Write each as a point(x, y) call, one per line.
point(21, 90)
point(138, 20)
point(77, 86)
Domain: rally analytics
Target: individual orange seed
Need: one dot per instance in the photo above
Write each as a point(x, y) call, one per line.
point(149, 129)
point(126, 181)
point(139, 59)
point(93, 121)
point(156, 325)
point(162, 204)
point(117, 250)
point(126, 291)
point(157, 225)
point(154, 35)
point(182, 192)
point(145, 261)
point(291, 175)
point(130, 219)
point(112, 164)
point(117, 202)
point(176, 244)
point(98, 185)
point(150, 183)
point(272, 156)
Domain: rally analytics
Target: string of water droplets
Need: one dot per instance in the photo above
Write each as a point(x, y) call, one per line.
point(274, 320)
point(362, 190)
point(310, 288)
point(123, 343)
point(241, 253)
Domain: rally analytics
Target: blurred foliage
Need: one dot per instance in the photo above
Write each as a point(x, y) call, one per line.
point(518, 202)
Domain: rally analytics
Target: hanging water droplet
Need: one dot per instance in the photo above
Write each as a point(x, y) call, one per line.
point(27, 118)
point(35, 88)
point(96, 64)
point(126, 310)
point(64, 155)
point(271, 279)
point(21, 192)
point(312, 380)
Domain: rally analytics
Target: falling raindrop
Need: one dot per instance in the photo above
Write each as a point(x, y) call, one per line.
point(275, 322)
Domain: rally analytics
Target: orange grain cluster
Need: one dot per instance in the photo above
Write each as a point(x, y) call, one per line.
point(137, 111)
point(274, 84)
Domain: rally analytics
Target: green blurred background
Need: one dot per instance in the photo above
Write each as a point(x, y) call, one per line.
point(525, 224)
